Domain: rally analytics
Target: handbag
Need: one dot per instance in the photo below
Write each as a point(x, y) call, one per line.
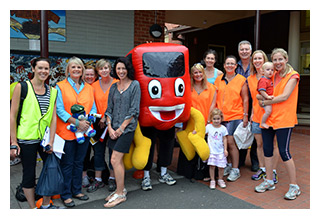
point(51, 180)
point(243, 136)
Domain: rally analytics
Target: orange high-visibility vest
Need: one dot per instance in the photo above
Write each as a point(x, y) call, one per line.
point(257, 110)
point(101, 98)
point(229, 99)
point(202, 102)
point(70, 97)
point(284, 114)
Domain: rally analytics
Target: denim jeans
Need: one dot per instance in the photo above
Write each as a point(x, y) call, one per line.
point(72, 166)
point(231, 125)
point(99, 155)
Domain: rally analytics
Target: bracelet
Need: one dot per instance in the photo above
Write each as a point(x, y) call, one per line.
point(121, 129)
point(13, 147)
point(245, 113)
point(262, 103)
point(77, 122)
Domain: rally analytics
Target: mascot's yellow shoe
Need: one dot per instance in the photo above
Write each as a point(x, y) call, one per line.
point(191, 143)
point(139, 151)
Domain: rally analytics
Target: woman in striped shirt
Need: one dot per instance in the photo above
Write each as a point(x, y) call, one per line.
point(38, 112)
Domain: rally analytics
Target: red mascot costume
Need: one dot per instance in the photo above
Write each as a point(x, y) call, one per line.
point(163, 73)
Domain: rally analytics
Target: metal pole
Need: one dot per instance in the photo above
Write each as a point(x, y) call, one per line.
point(44, 51)
point(257, 31)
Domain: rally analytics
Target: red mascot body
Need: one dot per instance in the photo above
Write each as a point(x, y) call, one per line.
point(162, 70)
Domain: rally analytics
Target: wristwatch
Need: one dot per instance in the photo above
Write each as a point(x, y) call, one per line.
point(262, 103)
point(15, 147)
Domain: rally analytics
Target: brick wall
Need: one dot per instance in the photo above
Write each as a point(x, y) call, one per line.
point(143, 20)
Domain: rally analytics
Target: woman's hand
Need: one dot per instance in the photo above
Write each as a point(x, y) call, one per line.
point(119, 131)
point(245, 121)
point(14, 152)
point(226, 153)
point(112, 133)
point(50, 150)
point(83, 125)
point(262, 103)
point(102, 122)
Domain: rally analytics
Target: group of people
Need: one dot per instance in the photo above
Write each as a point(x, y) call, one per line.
point(51, 107)
point(224, 99)
point(251, 90)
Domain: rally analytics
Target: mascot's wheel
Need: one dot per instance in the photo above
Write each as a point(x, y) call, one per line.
point(39, 203)
point(138, 174)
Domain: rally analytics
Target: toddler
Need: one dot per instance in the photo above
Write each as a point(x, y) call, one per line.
point(265, 88)
point(217, 141)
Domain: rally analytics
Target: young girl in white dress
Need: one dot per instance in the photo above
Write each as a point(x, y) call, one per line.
point(217, 141)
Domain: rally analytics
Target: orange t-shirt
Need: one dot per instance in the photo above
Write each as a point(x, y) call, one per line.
point(284, 114)
point(100, 97)
point(202, 101)
point(229, 99)
point(257, 110)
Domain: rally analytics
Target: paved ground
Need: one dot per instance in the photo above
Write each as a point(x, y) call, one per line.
point(186, 195)
point(183, 195)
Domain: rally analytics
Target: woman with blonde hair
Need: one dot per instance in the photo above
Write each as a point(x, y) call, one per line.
point(203, 93)
point(101, 92)
point(203, 98)
point(73, 90)
point(257, 61)
point(281, 121)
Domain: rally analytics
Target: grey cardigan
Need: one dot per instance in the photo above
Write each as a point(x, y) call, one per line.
point(124, 106)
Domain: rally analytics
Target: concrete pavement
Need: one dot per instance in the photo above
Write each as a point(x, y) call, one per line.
point(183, 195)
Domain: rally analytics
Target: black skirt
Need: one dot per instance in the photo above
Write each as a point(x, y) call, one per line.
point(121, 144)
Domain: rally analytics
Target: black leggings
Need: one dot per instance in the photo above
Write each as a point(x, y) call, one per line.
point(29, 161)
point(283, 139)
point(166, 145)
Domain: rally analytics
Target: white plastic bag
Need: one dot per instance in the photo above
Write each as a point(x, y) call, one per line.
point(243, 136)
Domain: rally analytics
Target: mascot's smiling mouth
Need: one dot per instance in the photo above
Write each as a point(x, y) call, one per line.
point(166, 113)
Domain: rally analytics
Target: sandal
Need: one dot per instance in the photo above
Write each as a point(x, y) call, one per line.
point(81, 197)
point(69, 204)
point(115, 200)
point(110, 196)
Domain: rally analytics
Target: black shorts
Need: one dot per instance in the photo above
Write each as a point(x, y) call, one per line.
point(121, 144)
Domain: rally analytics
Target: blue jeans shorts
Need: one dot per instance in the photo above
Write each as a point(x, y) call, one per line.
point(231, 125)
point(255, 128)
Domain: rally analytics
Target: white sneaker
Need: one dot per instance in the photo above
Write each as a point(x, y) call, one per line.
point(222, 184)
point(212, 184)
point(234, 175)
point(264, 186)
point(293, 192)
point(85, 182)
point(146, 184)
point(227, 170)
point(166, 178)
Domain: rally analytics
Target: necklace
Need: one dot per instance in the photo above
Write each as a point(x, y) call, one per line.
point(198, 89)
point(126, 85)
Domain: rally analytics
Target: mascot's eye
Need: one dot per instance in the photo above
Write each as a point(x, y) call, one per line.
point(179, 87)
point(155, 89)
